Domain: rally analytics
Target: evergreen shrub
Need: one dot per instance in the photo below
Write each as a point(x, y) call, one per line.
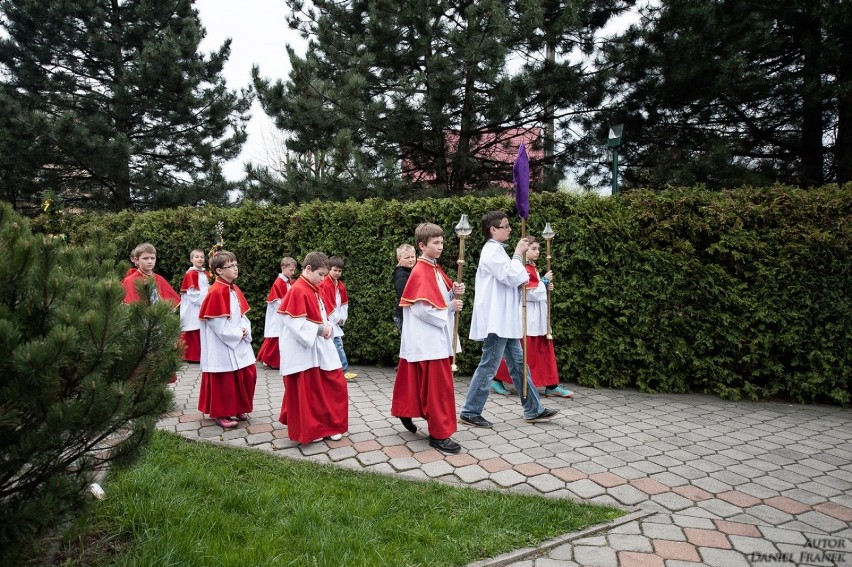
point(82, 376)
point(741, 293)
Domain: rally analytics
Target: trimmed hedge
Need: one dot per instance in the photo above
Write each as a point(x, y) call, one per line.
point(743, 293)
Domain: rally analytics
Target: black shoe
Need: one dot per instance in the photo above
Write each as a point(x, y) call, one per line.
point(409, 425)
point(545, 415)
point(476, 421)
point(444, 445)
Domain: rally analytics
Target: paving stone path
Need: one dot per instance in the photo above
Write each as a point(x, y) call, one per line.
point(705, 481)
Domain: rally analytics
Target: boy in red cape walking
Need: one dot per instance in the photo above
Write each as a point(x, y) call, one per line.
point(316, 398)
point(424, 378)
point(228, 372)
point(193, 289)
point(269, 353)
point(540, 351)
point(144, 257)
point(334, 294)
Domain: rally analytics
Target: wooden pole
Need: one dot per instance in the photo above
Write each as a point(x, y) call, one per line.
point(460, 263)
point(549, 328)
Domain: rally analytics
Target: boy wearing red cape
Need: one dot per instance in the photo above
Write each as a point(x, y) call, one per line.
point(316, 397)
point(269, 353)
point(424, 378)
point(541, 355)
point(144, 257)
point(228, 372)
point(193, 290)
point(336, 297)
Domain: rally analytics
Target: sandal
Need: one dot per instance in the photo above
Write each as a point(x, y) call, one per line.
point(242, 417)
point(226, 422)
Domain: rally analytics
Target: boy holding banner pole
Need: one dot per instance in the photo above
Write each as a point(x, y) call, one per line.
point(495, 322)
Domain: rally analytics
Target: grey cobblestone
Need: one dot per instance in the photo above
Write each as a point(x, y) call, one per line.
point(657, 444)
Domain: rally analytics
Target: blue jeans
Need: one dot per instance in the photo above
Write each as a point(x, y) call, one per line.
point(493, 349)
point(338, 344)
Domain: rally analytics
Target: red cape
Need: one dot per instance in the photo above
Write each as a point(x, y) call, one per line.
point(422, 285)
point(191, 279)
point(329, 292)
point(279, 290)
point(164, 290)
point(533, 283)
point(218, 300)
point(302, 301)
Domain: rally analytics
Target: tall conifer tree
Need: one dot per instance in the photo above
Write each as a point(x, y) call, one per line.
point(725, 93)
point(391, 88)
point(112, 106)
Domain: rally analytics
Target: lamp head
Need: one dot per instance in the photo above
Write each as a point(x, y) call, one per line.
point(463, 228)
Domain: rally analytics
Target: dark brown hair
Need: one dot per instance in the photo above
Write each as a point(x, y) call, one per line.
point(315, 260)
point(490, 220)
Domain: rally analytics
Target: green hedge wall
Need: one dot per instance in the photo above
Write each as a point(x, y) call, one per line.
point(743, 293)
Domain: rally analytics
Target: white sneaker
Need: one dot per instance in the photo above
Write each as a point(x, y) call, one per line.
point(336, 437)
point(317, 440)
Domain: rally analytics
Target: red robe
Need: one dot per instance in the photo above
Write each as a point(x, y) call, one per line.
point(192, 339)
point(541, 356)
point(425, 388)
point(192, 345)
point(316, 401)
point(269, 353)
point(226, 394)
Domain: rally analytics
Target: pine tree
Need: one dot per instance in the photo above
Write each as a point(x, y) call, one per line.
point(111, 105)
point(389, 88)
point(82, 376)
point(727, 93)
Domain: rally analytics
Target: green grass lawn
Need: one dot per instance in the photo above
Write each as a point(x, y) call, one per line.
point(194, 504)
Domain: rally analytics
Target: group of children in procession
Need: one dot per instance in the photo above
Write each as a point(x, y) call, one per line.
point(304, 328)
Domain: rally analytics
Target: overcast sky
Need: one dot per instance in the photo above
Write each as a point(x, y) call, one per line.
point(259, 34)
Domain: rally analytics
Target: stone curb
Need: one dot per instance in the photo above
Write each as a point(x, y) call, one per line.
point(547, 545)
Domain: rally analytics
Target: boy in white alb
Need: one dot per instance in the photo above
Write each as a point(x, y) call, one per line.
point(541, 355)
point(269, 354)
point(497, 323)
point(228, 372)
point(336, 298)
point(193, 290)
point(316, 397)
point(424, 379)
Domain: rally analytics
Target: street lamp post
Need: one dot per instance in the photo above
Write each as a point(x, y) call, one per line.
point(613, 141)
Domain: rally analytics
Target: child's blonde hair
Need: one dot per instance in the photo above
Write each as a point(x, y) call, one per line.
point(197, 250)
point(287, 261)
point(143, 248)
point(402, 249)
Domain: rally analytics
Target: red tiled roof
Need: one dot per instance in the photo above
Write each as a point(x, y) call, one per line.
point(497, 147)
